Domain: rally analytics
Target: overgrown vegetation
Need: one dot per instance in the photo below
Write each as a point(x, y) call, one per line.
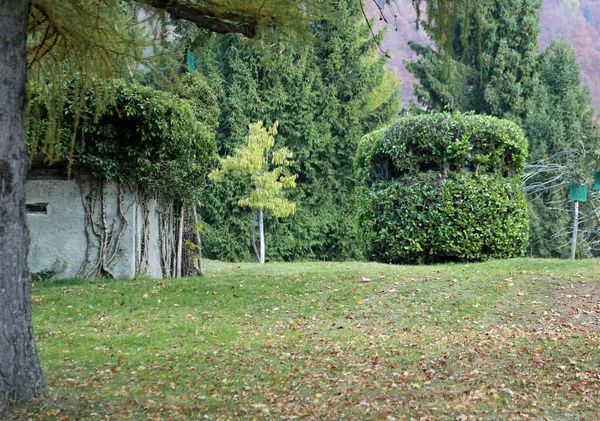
point(161, 141)
point(442, 187)
point(325, 95)
point(324, 341)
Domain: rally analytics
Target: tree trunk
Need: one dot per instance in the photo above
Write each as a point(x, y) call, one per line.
point(21, 377)
point(261, 231)
point(180, 243)
point(200, 267)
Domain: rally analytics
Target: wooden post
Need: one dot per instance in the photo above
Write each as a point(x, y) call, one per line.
point(575, 225)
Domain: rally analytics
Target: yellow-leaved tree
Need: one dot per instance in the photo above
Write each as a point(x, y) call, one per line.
point(268, 174)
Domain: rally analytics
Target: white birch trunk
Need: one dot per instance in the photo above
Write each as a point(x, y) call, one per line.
point(180, 244)
point(262, 236)
point(200, 268)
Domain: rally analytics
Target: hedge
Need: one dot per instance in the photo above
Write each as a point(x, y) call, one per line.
point(442, 187)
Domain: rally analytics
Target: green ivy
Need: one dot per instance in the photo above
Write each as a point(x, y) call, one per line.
point(442, 187)
point(158, 140)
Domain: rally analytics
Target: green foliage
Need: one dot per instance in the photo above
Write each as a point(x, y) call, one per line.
point(407, 213)
point(442, 141)
point(564, 135)
point(561, 114)
point(325, 96)
point(428, 218)
point(252, 159)
point(491, 65)
point(152, 138)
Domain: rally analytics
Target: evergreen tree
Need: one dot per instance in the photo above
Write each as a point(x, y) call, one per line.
point(491, 65)
point(563, 134)
point(325, 96)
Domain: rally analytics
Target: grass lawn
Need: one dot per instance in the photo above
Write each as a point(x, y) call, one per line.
point(514, 339)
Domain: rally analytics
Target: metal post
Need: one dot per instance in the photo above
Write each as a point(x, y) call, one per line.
point(575, 225)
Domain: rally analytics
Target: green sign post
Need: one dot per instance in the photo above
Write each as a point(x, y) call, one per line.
point(596, 180)
point(190, 60)
point(577, 193)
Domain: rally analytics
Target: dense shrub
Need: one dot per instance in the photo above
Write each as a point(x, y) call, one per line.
point(442, 187)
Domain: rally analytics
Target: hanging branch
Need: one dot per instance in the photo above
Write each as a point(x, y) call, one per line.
point(362, 9)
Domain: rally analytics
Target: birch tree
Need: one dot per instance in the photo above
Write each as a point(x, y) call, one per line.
point(267, 174)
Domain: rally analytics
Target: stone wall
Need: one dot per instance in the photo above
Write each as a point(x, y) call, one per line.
point(79, 229)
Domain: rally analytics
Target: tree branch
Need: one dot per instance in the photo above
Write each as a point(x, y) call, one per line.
point(207, 18)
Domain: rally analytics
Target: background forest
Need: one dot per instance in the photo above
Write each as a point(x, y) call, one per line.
point(329, 94)
point(329, 84)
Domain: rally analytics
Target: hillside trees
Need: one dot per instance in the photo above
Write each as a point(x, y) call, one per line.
point(564, 142)
point(326, 96)
point(491, 65)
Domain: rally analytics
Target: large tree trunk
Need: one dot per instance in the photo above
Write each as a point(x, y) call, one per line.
point(20, 373)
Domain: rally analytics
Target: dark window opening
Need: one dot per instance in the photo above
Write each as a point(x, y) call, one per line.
point(37, 208)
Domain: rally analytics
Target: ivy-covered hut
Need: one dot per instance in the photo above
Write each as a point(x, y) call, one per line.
point(442, 187)
point(107, 195)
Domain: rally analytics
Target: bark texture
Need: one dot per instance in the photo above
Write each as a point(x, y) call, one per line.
point(20, 373)
point(208, 17)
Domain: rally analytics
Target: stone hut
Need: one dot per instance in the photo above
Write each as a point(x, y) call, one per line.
point(85, 228)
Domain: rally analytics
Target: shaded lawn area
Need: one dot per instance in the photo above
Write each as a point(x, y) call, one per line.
point(514, 339)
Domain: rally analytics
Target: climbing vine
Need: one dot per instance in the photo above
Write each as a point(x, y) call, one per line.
point(158, 140)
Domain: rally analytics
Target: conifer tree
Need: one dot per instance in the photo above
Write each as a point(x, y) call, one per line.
point(491, 65)
point(326, 96)
point(563, 145)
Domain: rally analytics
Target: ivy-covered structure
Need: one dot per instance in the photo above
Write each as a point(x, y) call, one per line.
point(442, 187)
point(113, 202)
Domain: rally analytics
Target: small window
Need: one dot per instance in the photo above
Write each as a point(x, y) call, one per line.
point(37, 208)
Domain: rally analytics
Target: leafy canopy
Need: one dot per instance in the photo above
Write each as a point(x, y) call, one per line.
point(253, 159)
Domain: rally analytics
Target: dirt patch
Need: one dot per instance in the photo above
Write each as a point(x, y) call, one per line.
point(577, 303)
